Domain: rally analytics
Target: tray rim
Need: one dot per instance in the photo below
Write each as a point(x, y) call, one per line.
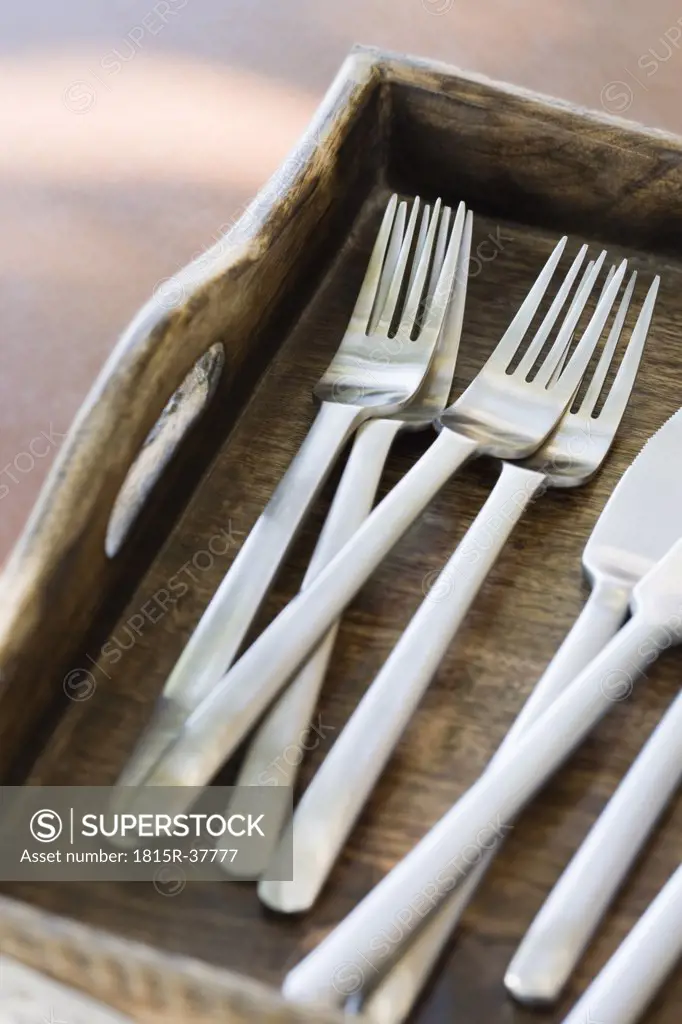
point(408, 69)
point(87, 958)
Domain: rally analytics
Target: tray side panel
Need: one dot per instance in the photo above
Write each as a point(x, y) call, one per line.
point(523, 158)
point(138, 980)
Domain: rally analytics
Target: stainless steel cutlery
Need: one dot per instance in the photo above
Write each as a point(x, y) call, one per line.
point(551, 948)
point(641, 520)
point(639, 967)
point(376, 371)
point(548, 404)
point(639, 523)
point(284, 727)
point(570, 456)
point(503, 789)
point(500, 413)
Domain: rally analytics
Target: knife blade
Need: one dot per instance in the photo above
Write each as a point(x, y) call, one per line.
point(639, 523)
point(643, 517)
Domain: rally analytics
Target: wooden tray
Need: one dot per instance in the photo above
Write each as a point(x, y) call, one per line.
point(531, 168)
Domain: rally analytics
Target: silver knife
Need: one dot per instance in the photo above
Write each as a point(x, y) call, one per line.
point(639, 523)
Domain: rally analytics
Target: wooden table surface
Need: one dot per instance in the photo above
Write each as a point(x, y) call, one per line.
point(134, 131)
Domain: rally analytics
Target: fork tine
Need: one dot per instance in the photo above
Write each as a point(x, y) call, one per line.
point(567, 329)
point(559, 368)
point(618, 396)
point(513, 336)
point(556, 372)
point(388, 311)
point(437, 262)
point(542, 333)
point(442, 371)
point(439, 255)
point(577, 364)
point(388, 269)
point(607, 282)
point(411, 307)
point(599, 376)
point(440, 300)
point(454, 318)
point(371, 281)
point(459, 292)
point(419, 247)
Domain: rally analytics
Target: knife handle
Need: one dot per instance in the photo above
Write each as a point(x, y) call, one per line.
point(570, 916)
point(640, 965)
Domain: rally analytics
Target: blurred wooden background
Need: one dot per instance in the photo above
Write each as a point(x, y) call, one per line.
point(133, 131)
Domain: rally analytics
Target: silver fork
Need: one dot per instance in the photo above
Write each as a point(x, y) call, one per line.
point(323, 820)
point(360, 383)
point(437, 865)
point(501, 414)
point(268, 760)
point(570, 457)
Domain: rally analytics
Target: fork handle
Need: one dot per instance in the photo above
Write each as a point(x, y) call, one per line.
point(571, 914)
point(365, 939)
point(234, 706)
point(335, 797)
point(640, 965)
point(232, 609)
point(286, 726)
point(393, 999)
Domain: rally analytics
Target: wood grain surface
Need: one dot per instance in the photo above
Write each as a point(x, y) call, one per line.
point(532, 170)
